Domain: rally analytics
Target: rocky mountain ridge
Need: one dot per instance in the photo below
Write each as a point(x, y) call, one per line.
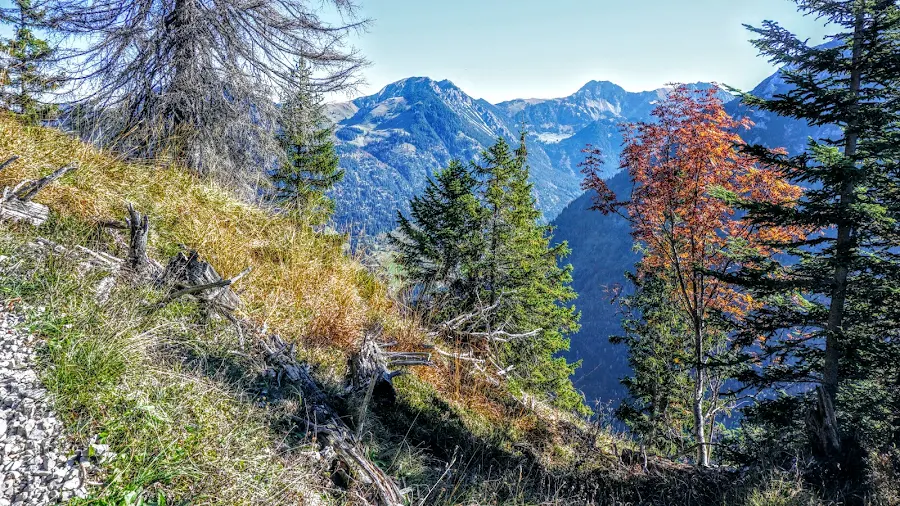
point(392, 141)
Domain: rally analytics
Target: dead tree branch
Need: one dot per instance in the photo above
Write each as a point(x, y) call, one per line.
point(192, 290)
point(8, 161)
point(187, 274)
point(16, 204)
point(325, 423)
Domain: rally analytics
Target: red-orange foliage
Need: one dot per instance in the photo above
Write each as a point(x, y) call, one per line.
point(681, 167)
point(676, 163)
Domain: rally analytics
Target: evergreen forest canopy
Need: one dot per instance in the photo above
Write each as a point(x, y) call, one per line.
point(768, 285)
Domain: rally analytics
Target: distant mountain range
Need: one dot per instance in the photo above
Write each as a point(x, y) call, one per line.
point(602, 252)
point(391, 142)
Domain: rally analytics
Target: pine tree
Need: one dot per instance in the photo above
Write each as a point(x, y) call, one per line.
point(311, 167)
point(26, 73)
point(833, 314)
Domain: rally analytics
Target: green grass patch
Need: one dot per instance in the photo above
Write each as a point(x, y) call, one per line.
point(118, 374)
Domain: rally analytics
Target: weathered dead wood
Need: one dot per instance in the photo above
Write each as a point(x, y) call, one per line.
point(193, 290)
point(16, 204)
point(372, 373)
point(16, 210)
point(30, 189)
point(373, 369)
point(138, 261)
point(187, 274)
point(86, 258)
point(8, 161)
point(326, 424)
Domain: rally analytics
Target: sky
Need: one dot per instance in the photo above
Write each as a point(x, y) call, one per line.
point(504, 49)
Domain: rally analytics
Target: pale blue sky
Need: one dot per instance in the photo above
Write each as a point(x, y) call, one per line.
point(504, 49)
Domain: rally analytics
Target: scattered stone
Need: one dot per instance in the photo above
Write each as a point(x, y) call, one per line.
point(32, 453)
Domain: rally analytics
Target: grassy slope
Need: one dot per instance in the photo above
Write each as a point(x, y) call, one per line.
point(301, 286)
point(183, 406)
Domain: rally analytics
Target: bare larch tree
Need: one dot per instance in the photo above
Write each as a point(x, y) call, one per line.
point(195, 80)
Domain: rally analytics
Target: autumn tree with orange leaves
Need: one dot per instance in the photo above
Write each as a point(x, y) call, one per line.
point(680, 166)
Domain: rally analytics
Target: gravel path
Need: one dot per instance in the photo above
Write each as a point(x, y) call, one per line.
point(35, 467)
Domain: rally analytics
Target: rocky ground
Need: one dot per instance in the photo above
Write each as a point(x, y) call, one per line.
point(37, 466)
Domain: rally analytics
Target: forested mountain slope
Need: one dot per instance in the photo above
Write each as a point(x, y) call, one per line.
point(391, 142)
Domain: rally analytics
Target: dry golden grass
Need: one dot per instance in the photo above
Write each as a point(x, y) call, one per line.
point(300, 285)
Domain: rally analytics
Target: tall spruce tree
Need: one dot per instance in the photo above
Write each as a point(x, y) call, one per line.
point(311, 165)
point(832, 317)
point(440, 242)
point(475, 240)
point(26, 64)
point(524, 281)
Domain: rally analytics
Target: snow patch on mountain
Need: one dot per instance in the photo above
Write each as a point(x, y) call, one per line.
point(550, 138)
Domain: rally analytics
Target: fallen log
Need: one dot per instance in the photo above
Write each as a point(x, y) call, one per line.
point(197, 289)
point(325, 424)
point(86, 260)
point(16, 210)
point(187, 274)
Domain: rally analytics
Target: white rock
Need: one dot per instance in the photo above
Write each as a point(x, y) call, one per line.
point(72, 483)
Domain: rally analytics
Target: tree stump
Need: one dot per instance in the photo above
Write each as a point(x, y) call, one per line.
point(187, 274)
point(16, 204)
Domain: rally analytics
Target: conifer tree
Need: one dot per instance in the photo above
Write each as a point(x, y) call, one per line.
point(194, 80)
point(474, 240)
point(523, 279)
point(832, 315)
point(311, 165)
point(440, 242)
point(26, 64)
point(658, 405)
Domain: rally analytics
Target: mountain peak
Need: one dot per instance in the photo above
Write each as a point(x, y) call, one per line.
point(413, 85)
point(600, 86)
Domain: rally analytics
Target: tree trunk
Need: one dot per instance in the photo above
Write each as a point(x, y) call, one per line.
point(699, 381)
point(138, 232)
point(372, 373)
point(182, 97)
point(823, 425)
point(834, 328)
